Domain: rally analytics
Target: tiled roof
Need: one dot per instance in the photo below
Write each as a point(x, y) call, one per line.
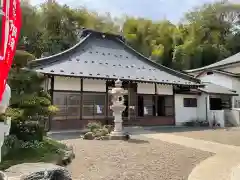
point(217, 89)
point(107, 56)
point(217, 71)
point(228, 61)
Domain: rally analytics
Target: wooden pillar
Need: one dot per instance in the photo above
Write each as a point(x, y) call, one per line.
point(129, 100)
point(174, 109)
point(136, 102)
point(51, 93)
point(46, 82)
point(106, 103)
point(156, 100)
point(81, 102)
point(52, 88)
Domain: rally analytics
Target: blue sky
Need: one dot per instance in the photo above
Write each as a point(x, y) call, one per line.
point(150, 9)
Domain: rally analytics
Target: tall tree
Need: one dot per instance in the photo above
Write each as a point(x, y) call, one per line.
point(205, 40)
point(206, 35)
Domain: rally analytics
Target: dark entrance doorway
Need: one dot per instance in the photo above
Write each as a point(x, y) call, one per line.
point(125, 112)
point(161, 106)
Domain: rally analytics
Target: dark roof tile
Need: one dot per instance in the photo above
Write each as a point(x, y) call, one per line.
point(82, 63)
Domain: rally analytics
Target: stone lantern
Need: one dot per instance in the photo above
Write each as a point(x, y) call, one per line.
point(4, 126)
point(118, 107)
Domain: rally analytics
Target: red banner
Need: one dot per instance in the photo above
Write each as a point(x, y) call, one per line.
point(11, 26)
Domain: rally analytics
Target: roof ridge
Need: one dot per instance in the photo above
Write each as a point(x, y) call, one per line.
point(63, 52)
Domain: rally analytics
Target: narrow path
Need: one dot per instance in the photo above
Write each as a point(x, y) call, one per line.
point(195, 143)
point(217, 167)
point(224, 165)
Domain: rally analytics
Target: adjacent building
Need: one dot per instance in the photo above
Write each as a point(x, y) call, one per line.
point(225, 73)
point(79, 80)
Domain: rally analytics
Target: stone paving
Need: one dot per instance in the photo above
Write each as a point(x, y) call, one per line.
point(136, 159)
point(224, 165)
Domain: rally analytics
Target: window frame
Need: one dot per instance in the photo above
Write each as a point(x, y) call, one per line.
point(168, 105)
point(153, 105)
point(65, 95)
point(190, 102)
point(94, 116)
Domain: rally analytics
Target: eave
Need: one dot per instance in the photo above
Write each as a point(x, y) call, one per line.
point(123, 79)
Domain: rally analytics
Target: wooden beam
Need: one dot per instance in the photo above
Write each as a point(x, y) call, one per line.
point(174, 110)
point(156, 100)
point(51, 93)
point(106, 103)
point(81, 102)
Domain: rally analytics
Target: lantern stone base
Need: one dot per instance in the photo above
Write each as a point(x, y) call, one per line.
point(119, 136)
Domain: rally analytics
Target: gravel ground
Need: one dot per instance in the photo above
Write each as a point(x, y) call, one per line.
point(135, 160)
point(229, 136)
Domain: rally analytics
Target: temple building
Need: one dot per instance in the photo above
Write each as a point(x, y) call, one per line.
point(80, 78)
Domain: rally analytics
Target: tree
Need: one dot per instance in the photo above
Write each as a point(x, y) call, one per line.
point(154, 40)
point(207, 34)
point(205, 41)
point(30, 104)
point(31, 31)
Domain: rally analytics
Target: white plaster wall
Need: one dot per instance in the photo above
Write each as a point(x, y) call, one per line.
point(184, 114)
point(233, 116)
point(236, 87)
point(67, 83)
point(164, 89)
point(94, 85)
point(46, 84)
point(49, 83)
point(217, 78)
point(218, 115)
point(146, 88)
point(202, 107)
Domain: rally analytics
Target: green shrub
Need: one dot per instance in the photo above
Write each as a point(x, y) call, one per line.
point(2, 117)
point(190, 123)
point(198, 123)
point(93, 126)
point(10, 142)
point(101, 132)
point(13, 144)
point(203, 123)
point(47, 150)
point(109, 128)
point(89, 136)
point(30, 105)
point(31, 144)
point(27, 131)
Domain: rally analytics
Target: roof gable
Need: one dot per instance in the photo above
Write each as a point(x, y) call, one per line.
point(225, 62)
point(102, 55)
point(204, 72)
